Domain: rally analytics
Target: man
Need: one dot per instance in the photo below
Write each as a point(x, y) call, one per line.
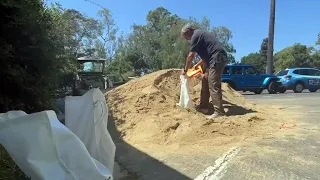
point(213, 55)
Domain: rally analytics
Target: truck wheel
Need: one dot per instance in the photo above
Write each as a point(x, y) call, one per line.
point(272, 88)
point(231, 85)
point(258, 91)
point(313, 90)
point(298, 88)
point(282, 90)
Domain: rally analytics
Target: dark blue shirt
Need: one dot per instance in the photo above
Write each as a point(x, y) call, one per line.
point(206, 45)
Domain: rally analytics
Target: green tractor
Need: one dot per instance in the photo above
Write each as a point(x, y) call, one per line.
point(90, 75)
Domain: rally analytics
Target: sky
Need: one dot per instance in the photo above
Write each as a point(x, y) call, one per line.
point(297, 21)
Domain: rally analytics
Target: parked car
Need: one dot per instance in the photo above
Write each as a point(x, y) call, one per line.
point(298, 79)
point(245, 77)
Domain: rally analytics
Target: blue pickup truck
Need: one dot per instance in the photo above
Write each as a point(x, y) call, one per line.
point(245, 77)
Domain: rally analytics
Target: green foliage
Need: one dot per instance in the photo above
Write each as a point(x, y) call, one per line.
point(32, 56)
point(297, 55)
point(158, 44)
point(264, 48)
point(255, 59)
point(224, 35)
point(315, 56)
point(259, 59)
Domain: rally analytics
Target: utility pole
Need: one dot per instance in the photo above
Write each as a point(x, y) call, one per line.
point(271, 37)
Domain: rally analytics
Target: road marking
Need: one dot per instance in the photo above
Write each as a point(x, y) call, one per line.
point(295, 107)
point(217, 172)
point(314, 111)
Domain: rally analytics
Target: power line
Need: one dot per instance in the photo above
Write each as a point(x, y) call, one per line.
point(95, 4)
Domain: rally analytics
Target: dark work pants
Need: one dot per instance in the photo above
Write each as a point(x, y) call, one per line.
point(211, 85)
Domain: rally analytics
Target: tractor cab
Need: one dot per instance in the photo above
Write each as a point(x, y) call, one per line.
point(90, 75)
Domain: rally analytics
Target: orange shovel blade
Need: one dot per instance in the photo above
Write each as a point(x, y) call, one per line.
point(194, 71)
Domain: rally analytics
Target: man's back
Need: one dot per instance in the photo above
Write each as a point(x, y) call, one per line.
point(206, 45)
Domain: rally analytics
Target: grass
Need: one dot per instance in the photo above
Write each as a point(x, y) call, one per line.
point(8, 168)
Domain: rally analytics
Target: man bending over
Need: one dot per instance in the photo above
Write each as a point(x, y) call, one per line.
point(211, 52)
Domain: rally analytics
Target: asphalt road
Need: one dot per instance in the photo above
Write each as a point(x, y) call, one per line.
point(296, 155)
point(305, 104)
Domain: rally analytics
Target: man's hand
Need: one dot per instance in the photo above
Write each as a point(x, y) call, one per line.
point(199, 63)
point(205, 75)
point(183, 72)
point(189, 59)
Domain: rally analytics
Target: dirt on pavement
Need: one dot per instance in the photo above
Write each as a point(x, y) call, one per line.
point(146, 115)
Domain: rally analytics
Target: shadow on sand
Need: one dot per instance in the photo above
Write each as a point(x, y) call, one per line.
point(234, 110)
point(231, 109)
point(140, 165)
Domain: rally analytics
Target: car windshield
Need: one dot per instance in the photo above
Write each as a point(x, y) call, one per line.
point(91, 67)
point(282, 73)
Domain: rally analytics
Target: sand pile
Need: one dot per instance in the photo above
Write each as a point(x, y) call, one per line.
point(145, 111)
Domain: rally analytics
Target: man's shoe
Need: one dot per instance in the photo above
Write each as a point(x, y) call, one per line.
point(214, 116)
point(200, 106)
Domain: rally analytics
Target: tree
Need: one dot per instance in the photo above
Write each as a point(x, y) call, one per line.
point(315, 56)
point(107, 32)
point(224, 35)
point(255, 59)
point(263, 52)
point(297, 55)
point(33, 58)
point(38, 53)
point(158, 44)
point(264, 48)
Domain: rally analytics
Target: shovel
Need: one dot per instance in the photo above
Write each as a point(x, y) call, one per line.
point(194, 71)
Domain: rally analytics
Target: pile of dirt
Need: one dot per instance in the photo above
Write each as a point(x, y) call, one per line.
point(145, 111)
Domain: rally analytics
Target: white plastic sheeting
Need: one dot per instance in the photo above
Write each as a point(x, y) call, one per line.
point(45, 149)
point(185, 101)
point(87, 117)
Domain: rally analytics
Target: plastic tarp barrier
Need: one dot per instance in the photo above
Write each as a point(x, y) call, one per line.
point(87, 117)
point(45, 149)
point(184, 101)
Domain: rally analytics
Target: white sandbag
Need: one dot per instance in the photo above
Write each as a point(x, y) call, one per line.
point(87, 117)
point(45, 149)
point(11, 115)
point(185, 101)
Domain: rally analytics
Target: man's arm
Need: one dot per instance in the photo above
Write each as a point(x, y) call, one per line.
point(193, 49)
point(189, 59)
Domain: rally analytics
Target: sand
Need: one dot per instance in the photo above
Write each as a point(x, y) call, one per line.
point(145, 112)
